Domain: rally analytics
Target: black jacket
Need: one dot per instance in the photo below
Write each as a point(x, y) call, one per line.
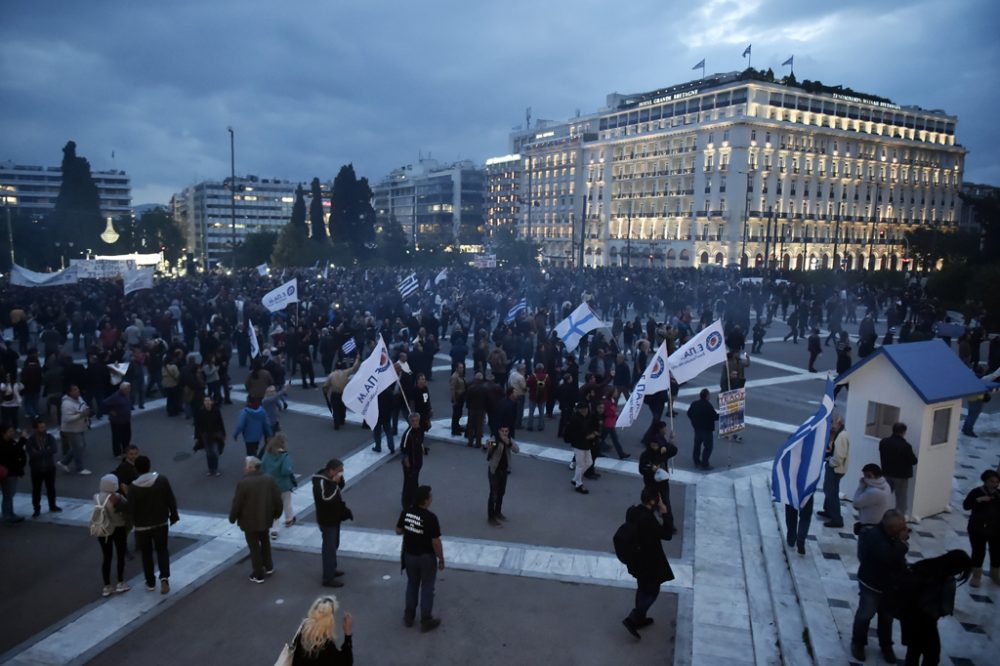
point(881, 560)
point(41, 455)
point(650, 564)
point(13, 457)
point(897, 457)
point(328, 495)
point(703, 415)
point(152, 501)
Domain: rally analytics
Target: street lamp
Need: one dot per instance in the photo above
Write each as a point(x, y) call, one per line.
point(871, 235)
point(767, 240)
point(232, 186)
point(628, 241)
point(746, 218)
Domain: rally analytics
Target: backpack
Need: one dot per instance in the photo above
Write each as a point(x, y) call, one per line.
point(100, 520)
point(626, 542)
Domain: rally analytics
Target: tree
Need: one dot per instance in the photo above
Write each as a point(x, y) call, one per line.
point(986, 210)
point(928, 246)
point(512, 250)
point(76, 217)
point(317, 218)
point(256, 249)
point(157, 231)
point(299, 208)
point(352, 218)
point(291, 247)
point(392, 243)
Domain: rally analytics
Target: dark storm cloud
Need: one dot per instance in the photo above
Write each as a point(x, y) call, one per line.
point(311, 85)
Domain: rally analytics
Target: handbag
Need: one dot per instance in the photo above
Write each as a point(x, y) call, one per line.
point(287, 654)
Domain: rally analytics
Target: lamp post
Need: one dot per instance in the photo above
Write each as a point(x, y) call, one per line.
point(767, 240)
point(746, 218)
point(10, 233)
point(836, 238)
point(232, 187)
point(871, 235)
point(628, 240)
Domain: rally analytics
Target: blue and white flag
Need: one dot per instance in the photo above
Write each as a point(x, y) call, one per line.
point(278, 299)
point(655, 378)
point(408, 286)
point(520, 306)
point(799, 462)
point(701, 352)
point(746, 51)
point(375, 375)
point(442, 276)
point(349, 346)
point(700, 65)
point(790, 62)
point(262, 270)
point(326, 272)
point(572, 329)
point(254, 345)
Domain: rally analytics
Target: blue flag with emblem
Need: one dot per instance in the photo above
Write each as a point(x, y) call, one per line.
point(572, 329)
point(349, 346)
point(799, 462)
point(520, 306)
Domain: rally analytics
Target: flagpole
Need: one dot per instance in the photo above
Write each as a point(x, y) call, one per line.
point(670, 406)
point(729, 387)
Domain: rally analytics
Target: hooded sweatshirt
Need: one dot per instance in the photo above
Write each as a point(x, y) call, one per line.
point(872, 499)
point(153, 502)
point(253, 424)
point(116, 508)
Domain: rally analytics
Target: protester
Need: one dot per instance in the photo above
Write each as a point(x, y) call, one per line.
point(154, 509)
point(984, 526)
point(897, 459)
point(703, 416)
point(648, 564)
point(41, 449)
point(456, 389)
point(331, 510)
point(873, 497)
point(10, 400)
point(13, 459)
point(114, 504)
point(256, 504)
point(882, 564)
point(834, 470)
point(118, 407)
point(73, 426)
point(539, 389)
point(277, 464)
point(608, 429)
point(498, 458)
point(423, 557)
point(316, 640)
point(411, 449)
point(927, 595)
point(580, 435)
point(210, 434)
point(254, 427)
point(655, 459)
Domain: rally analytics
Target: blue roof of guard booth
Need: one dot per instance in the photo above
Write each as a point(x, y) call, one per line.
point(930, 367)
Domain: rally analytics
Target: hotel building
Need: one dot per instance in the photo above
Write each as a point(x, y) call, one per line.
point(739, 169)
point(33, 189)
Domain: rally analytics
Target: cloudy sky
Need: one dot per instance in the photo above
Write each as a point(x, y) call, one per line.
point(309, 85)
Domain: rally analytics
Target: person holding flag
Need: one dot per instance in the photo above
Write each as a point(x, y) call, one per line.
point(797, 468)
point(376, 374)
point(577, 325)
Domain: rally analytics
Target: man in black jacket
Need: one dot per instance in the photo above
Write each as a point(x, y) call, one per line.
point(897, 464)
point(331, 510)
point(703, 417)
point(154, 508)
point(649, 565)
point(411, 450)
point(881, 563)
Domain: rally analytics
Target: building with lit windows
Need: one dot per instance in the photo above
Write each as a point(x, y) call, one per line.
point(738, 169)
point(33, 189)
point(204, 211)
point(435, 203)
point(503, 193)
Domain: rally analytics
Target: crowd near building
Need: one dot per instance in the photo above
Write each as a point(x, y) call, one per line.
point(739, 169)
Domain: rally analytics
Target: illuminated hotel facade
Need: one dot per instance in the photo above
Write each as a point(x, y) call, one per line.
point(738, 169)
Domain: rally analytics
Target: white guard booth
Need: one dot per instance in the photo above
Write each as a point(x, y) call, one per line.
point(922, 385)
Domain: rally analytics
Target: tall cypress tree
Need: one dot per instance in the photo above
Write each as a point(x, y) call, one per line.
point(77, 214)
point(316, 217)
point(299, 208)
point(342, 207)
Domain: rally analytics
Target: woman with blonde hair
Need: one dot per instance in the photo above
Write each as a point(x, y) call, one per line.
point(277, 464)
point(316, 640)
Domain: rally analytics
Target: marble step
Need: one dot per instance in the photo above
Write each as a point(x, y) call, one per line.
point(763, 622)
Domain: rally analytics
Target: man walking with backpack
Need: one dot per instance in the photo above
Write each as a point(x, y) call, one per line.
point(637, 545)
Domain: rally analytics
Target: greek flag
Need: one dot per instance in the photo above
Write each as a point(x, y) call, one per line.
point(746, 51)
point(572, 329)
point(349, 346)
point(254, 345)
point(520, 306)
point(408, 286)
point(700, 65)
point(790, 62)
point(799, 462)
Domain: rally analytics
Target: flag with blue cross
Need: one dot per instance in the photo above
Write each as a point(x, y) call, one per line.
point(572, 329)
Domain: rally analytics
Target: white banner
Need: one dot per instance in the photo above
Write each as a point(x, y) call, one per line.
point(22, 277)
point(254, 344)
point(277, 299)
point(262, 269)
point(141, 278)
point(655, 378)
point(374, 376)
point(701, 352)
point(99, 269)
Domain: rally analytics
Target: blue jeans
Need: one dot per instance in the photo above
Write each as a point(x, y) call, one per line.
point(212, 456)
point(30, 405)
point(645, 595)
point(797, 523)
point(77, 443)
point(871, 602)
point(831, 501)
point(613, 435)
point(383, 427)
point(9, 488)
point(421, 570)
point(975, 407)
point(331, 542)
point(702, 446)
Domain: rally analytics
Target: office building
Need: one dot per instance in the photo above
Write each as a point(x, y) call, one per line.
point(503, 193)
point(739, 169)
point(204, 211)
point(441, 204)
point(33, 189)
